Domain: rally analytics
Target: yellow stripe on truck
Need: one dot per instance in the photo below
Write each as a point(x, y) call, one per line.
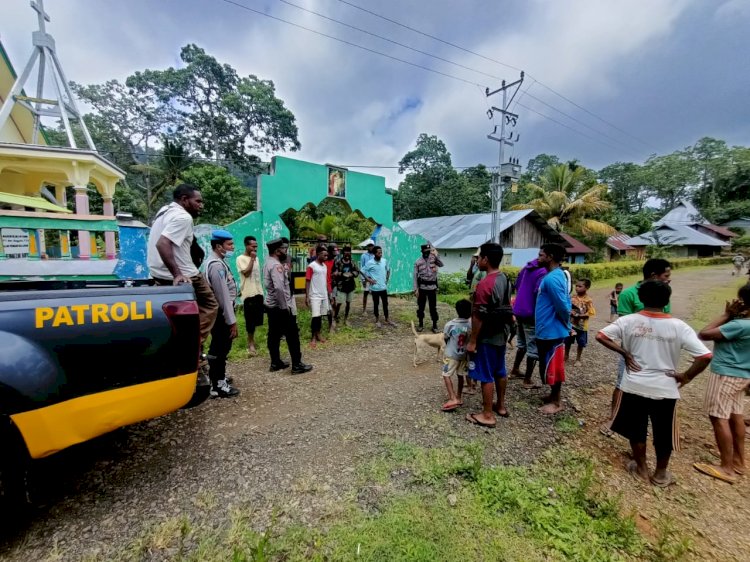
point(53, 428)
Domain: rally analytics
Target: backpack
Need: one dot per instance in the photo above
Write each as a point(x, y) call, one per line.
point(498, 313)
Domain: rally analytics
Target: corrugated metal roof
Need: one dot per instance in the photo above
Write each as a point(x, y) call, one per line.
point(684, 213)
point(618, 242)
point(720, 230)
point(676, 235)
point(468, 231)
point(575, 246)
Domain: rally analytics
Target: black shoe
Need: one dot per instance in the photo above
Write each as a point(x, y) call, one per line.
point(300, 368)
point(420, 328)
point(224, 390)
point(279, 366)
point(435, 330)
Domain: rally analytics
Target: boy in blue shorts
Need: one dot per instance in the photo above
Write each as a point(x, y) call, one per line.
point(490, 318)
point(456, 334)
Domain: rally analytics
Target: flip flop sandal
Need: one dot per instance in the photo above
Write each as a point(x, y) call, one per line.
point(532, 386)
point(607, 432)
point(505, 415)
point(663, 483)
point(739, 472)
point(711, 470)
point(450, 408)
point(472, 418)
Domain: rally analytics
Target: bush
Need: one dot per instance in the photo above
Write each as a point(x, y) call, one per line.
point(455, 283)
point(612, 270)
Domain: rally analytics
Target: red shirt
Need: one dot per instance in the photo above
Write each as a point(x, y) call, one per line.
point(329, 265)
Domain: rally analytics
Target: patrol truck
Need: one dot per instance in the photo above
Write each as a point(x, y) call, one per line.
point(78, 363)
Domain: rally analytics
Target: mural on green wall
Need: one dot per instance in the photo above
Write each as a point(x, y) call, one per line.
point(294, 183)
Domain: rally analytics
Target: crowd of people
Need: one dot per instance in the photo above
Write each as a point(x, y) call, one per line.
point(545, 309)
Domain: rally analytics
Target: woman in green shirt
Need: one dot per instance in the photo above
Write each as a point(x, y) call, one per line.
point(729, 379)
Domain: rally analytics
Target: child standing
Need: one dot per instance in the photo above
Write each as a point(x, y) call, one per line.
point(650, 343)
point(614, 300)
point(456, 333)
point(582, 309)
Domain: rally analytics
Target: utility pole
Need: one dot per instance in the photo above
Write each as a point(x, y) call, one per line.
point(62, 105)
point(506, 171)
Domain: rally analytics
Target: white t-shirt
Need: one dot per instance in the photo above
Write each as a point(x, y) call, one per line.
point(317, 274)
point(654, 339)
point(176, 224)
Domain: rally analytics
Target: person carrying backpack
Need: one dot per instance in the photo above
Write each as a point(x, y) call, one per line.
point(491, 316)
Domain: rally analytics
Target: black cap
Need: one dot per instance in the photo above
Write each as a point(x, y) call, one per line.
point(426, 247)
point(276, 243)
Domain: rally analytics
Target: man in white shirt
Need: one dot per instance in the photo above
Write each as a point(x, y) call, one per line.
point(251, 291)
point(169, 252)
point(316, 293)
point(650, 343)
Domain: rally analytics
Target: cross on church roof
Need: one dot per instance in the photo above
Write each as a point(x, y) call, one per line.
point(42, 16)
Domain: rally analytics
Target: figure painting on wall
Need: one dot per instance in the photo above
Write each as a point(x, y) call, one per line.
point(336, 183)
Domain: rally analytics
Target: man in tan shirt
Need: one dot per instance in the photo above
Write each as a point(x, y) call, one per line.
point(251, 291)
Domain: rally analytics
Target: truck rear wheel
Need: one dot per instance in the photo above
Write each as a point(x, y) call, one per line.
point(14, 468)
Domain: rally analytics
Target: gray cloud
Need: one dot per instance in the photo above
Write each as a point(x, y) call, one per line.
point(666, 71)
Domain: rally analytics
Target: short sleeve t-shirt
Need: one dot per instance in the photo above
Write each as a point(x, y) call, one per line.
point(250, 286)
point(732, 354)
point(378, 270)
point(585, 308)
point(630, 303)
point(483, 296)
point(317, 275)
point(457, 333)
point(176, 224)
point(655, 341)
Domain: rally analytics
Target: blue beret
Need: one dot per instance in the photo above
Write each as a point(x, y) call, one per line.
point(221, 235)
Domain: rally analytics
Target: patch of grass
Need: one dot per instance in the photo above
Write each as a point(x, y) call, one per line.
point(360, 331)
point(671, 541)
point(711, 304)
point(567, 424)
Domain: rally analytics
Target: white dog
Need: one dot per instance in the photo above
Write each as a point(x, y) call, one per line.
point(436, 341)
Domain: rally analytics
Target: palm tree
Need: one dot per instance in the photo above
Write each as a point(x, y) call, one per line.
point(566, 202)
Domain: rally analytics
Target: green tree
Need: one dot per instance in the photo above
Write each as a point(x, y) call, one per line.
point(225, 116)
point(432, 187)
point(537, 166)
point(671, 178)
point(564, 198)
point(626, 186)
point(225, 198)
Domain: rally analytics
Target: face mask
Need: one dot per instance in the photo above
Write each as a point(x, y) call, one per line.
point(229, 253)
point(425, 255)
point(282, 257)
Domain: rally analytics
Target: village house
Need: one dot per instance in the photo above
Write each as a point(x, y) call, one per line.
point(458, 237)
point(688, 233)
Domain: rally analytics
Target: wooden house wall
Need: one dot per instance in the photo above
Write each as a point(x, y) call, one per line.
point(523, 234)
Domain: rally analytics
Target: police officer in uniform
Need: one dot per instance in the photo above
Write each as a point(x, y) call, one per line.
point(281, 308)
point(224, 330)
point(425, 285)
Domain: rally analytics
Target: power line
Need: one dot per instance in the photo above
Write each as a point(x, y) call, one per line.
point(567, 126)
point(249, 9)
point(392, 41)
point(459, 65)
point(490, 59)
point(323, 16)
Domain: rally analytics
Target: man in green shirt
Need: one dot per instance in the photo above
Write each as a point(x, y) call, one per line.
point(656, 269)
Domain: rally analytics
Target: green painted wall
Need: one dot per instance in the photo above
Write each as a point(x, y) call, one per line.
point(293, 184)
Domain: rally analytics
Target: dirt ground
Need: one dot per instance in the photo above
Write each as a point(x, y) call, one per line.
point(286, 437)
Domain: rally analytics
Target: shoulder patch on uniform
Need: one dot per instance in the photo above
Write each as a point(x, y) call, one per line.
point(280, 268)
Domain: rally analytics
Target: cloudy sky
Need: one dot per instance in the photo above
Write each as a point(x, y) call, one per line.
point(657, 74)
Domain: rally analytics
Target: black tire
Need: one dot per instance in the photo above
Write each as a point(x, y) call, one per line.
point(202, 391)
point(14, 469)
